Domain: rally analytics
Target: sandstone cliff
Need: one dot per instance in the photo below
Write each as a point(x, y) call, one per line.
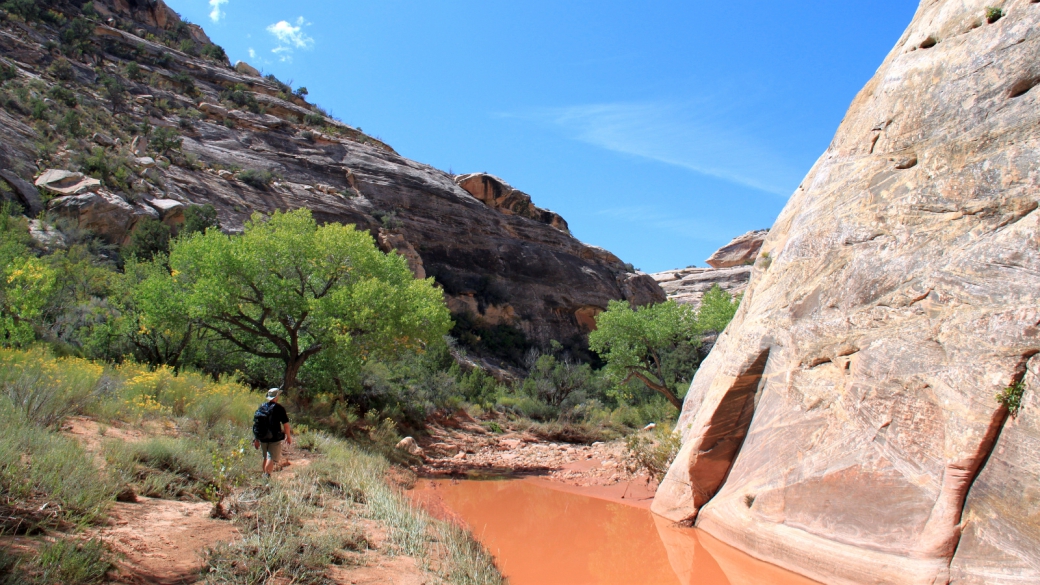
point(246, 143)
point(845, 425)
point(730, 269)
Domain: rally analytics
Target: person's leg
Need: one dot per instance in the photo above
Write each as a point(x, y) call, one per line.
point(276, 456)
point(265, 463)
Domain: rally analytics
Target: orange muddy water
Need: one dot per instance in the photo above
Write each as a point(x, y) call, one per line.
point(545, 536)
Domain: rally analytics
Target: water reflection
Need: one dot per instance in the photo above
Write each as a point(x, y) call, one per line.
point(543, 536)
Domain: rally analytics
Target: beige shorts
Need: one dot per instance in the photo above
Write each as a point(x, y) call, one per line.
point(272, 451)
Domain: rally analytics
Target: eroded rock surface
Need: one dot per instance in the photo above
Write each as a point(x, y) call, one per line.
point(742, 251)
point(845, 425)
point(495, 253)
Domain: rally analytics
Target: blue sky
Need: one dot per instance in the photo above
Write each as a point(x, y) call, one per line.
point(659, 130)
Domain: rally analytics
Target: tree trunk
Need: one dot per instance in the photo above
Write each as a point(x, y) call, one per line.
point(659, 388)
point(292, 369)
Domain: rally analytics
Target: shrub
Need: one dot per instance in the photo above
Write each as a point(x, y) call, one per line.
point(188, 46)
point(301, 92)
point(652, 453)
point(185, 82)
point(1011, 397)
point(215, 52)
point(63, 95)
point(27, 9)
point(165, 139)
point(134, 71)
point(314, 120)
point(199, 218)
point(258, 179)
point(993, 14)
point(150, 238)
point(62, 69)
point(76, 36)
point(46, 390)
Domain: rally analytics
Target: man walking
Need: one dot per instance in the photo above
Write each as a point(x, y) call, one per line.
point(270, 428)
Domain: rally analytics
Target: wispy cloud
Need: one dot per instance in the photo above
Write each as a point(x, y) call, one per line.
point(217, 13)
point(290, 37)
point(653, 218)
point(690, 136)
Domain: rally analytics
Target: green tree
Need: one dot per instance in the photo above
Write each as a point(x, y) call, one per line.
point(288, 290)
point(149, 239)
point(199, 218)
point(154, 320)
point(657, 344)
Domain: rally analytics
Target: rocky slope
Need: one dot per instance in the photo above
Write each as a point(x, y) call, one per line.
point(845, 426)
point(145, 103)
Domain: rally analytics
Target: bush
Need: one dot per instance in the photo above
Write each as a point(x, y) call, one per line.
point(134, 71)
point(993, 14)
point(1011, 397)
point(47, 390)
point(185, 467)
point(149, 239)
point(199, 218)
point(188, 46)
point(316, 120)
point(258, 179)
point(62, 69)
point(164, 140)
point(27, 9)
point(76, 36)
point(215, 52)
point(652, 452)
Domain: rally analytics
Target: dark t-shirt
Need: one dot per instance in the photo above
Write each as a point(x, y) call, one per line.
point(278, 418)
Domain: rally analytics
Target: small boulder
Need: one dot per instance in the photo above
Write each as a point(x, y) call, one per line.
point(213, 110)
point(146, 162)
point(743, 250)
point(170, 210)
point(409, 446)
point(103, 213)
point(67, 182)
point(103, 140)
point(246, 69)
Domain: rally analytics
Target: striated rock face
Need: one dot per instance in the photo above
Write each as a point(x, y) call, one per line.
point(496, 254)
point(845, 425)
point(688, 285)
point(740, 252)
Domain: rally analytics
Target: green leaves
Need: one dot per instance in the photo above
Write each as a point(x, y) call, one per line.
point(657, 344)
point(287, 289)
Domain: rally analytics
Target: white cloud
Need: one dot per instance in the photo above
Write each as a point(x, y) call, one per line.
point(217, 13)
point(691, 136)
point(252, 53)
point(290, 37)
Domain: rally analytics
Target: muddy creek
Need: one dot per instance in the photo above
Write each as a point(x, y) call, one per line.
point(541, 535)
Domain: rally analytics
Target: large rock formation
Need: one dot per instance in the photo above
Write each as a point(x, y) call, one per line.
point(845, 425)
point(249, 144)
point(688, 285)
point(742, 251)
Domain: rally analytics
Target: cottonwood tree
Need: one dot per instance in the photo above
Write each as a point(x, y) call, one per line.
point(289, 290)
point(657, 344)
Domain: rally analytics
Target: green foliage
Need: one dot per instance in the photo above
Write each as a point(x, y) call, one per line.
point(215, 52)
point(39, 109)
point(113, 90)
point(652, 453)
point(240, 96)
point(198, 219)
point(7, 72)
point(993, 14)
point(258, 179)
point(559, 383)
point(70, 125)
point(149, 239)
point(134, 71)
point(187, 46)
point(26, 283)
point(27, 9)
point(1011, 397)
point(288, 290)
point(46, 390)
point(109, 167)
point(658, 344)
point(62, 69)
point(63, 95)
point(69, 562)
point(76, 36)
point(301, 92)
point(164, 140)
point(316, 120)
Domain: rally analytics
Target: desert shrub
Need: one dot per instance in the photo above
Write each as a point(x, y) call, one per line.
point(188, 46)
point(214, 52)
point(993, 14)
point(70, 125)
point(113, 90)
point(150, 238)
point(1011, 397)
point(76, 36)
point(62, 69)
point(107, 166)
point(47, 390)
point(199, 218)
point(134, 71)
point(652, 452)
point(27, 9)
point(258, 179)
point(165, 140)
point(63, 95)
point(314, 120)
point(38, 463)
point(39, 109)
point(192, 467)
point(240, 96)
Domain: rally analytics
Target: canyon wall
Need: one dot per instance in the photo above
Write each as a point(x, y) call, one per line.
point(249, 144)
point(845, 426)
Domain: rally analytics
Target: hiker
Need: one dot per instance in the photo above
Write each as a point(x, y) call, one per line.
point(270, 428)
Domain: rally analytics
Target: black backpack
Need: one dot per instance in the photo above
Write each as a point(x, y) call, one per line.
point(265, 428)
